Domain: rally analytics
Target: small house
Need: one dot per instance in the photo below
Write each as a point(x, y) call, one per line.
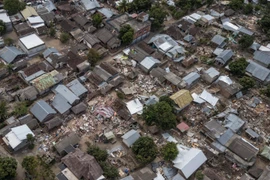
point(130, 137)
point(259, 72)
point(224, 57)
point(31, 44)
point(66, 94)
point(11, 54)
point(148, 63)
point(61, 104)
point(262, 57)
point(67, 143)
point(53, 123)
point(219, 40)
point(5, 18)
point(182, 127)
point(28, 119)
point(182, 98)
point(210, 75)
point(191, 79)
point(77, 88)
point(42, 111)
point(79, 108)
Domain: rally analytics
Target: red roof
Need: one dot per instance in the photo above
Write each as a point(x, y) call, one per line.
point(183, 127)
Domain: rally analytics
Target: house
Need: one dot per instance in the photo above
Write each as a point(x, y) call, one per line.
point(77, 88)
point(82, 165)
point(79, 108)
point(23, 29)
point(210, 75)
point(90, 40)
point(77, 34)
point(208, 19)
point(266, 174)
point(262, 57)
point(31, 72)
point(61, 104)
point(54, 122)
point(191, 79)
point(73, 60)
point(138, 54)
point(213, 129)
point(90, 4)
point(148, 63)
point(5, 18)
point(174, 80)
point(158, 73)
point(134, 106)
point(182, 127)
point(67, 144)
point(108, 39)
point(11, 54)
point(28, 119)
point(17, 137)
point(66, 93)
point(219, 40)
point(245, 31)
point(49, 51)
point(83, 22)
point(27, 94)
point(208, 97)
point(67, 25)
point(42, 111)
point(188, 160)
point(228, 88)
point(31, 44)
point(56, 59)
point(224, 57)
point(259, 72)
point(184, 26)
point(143, 174)
point(28, 12)
point(130, 137)
point(48, 18)
point(182, 98)
point(233, 122)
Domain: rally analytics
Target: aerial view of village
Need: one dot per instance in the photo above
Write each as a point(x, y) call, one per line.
point(134, 90)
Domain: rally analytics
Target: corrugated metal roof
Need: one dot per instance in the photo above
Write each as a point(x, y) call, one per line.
point(209, 98)
point(31, 41)
point(60, 104)
point(76, 87)
point(182, 98)
point(41, 110)
point(66, 93)
point(22, 131)
point(9, 54)
point(245, 31)
point(212, 72)
point(106, 12)
point(218, 39)
point(191, 77)
point(225, 137)
point(90, 4)
point(258, 71)
point(45, 81)
point(225, 56)
point(234, 122)
point(263, 57)
point(148, 62)
point(48, 51)
point(130, 137)
point(28, 12)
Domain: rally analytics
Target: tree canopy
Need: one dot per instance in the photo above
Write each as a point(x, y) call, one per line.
point(64, 37)
point(199, 175)
point(145, 150)
point(30, 140)
point(124, 6)
point(157, 16)
point(99, 154)
point(236, 4)
point(167, 99)
point(109, 171)
point(248, 9)
point(2, 27)
point(141, 5)
point(126, 34)
point(20, 109)
point(93, 57)
point(169, 151)
point(265, 23)
point(247, 82)
point(13, 6)
point(160, 114)
point(3, 110)
point(246, 41)
point(238, 67)
point(97, 20)
point(8, 168)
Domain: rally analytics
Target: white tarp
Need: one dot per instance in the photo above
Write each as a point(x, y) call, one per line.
point(134, 106)
point(209, 98)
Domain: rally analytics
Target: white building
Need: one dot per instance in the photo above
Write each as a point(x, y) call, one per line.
point(31, 44)
point(5, 18)
point(17, 137)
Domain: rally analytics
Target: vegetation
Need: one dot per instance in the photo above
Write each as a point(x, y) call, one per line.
point(120, 95)
point(169, 151)
point(93, 57)
point(8, 41)
point(247, 82)
point(97, 20)
point(248, 9)
point(110, 171)
point(266, 91)
point(265, 24)
point(145, 150)
point(13, 6)
point(52, 32)
point(238, 67)
point(236, 4)
point(20, 109)
point(246, 41)
point(157, 16)
point(8, 166)
point(37, 168)
point(2, 27)
point(160, 114)
point(3, 110)
point(30, 140)
point(126, 34)
point(124, 6)
point(189, 5)
point(199, 175)
point(99, 154)
point(167, 99)
point(64, 37)
point(141, 5)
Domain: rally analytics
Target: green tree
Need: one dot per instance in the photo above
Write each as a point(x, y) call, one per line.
point(238, 67)
point(169, 151)
point(265, 23)
point(126, 34)
point(109, 171)
point(29, 164)
point(246, 41)
point(160, 114)
point(93, 57)
point(2, 27)
point(20, 109)
point(8, 166)
point(123, 6)
point(30, 139)
point(13, 6)
point(141, 5)
point(64, 37)
point(3, 110)
point(199, 175)
point(97, 20)
point(247, 82)
point(52, 32)
point(145, 150)
point(157, 16)
point(248, 9)
point(167, 99)
point(236, 4)
point(99, 154)
point(8, 41)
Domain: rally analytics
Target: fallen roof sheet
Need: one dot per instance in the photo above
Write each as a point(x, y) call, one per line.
point(209, 98)
point(134, 106)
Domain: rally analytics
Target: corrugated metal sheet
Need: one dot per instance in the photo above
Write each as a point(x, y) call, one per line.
point(28, 12)
point(258, 71)
point(182, 98)
point(41, 110)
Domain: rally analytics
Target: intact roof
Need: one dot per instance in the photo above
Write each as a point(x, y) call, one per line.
point(208, 97)
point(144, 174)
point(263, 57)
point(233, 122)
point(77, 88)
point(149, 62)
point(81, 107)
point(212, 72)
point(31, 41)
point(90, 4)
point(23, 29)
point(49, 51)
point(109, 68)
point(91, 39)
point(258, 71)
point(4, 17)
point(134, 106)
point(266, 174)
point(173, 78)
point(245, 31)
point(182, 98)
point(29, 121)
point(28, 12)
point(54, 122)
point(218, 39)
point(225, 137)
point(130, 137)
point(60, 104)
point(243, 149)
point(191, 78)
point(67, 25)
point(81, 20)
point(66, 93)
point(225, 56)
point(9, 53)
point(106, 12)
point(41, 110)
point(137, 53)
point(252, 133)
point(73, 59)
point(82, 165)
point(158, 73)
point(266, 152)
point(104, 75)
point(188, 38)
point(29, 92)
point(71, 139)
point(46, 81)
point(35, 20)
point(104, 35)
point(182, 127)
point(214, 128)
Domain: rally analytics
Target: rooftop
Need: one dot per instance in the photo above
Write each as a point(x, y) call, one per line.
point(31, 41)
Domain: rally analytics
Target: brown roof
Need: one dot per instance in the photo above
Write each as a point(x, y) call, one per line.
point(81, 107)
point(145, 47)
point(56, 121)
point(67, 25)
point(32, 69)
point(109, 68)
point(73, 59)
point(174, 32)
point(104, 35)
point(95, 79)
point(82, 165)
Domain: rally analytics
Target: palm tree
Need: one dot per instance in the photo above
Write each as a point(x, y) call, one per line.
point(123, 6)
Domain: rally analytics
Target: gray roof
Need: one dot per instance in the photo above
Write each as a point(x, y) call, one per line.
point(104, 75)
point(225, 137)
point(252, 133)
point(70, 139)
point(61, 104)
point(188, 38)
point(130, 137)
point(263, 57)
point(49, 5)
point(91, 39)
point(233, 122)
point(216, 145)
point(48, 51)
point(218, 39)
point(9, 54)
point(258, 71)
point(106, 12)
point(178, 177)
point(54, 122)
point(128, 178)
point(66, 93)
point(41, 110)
point(90, 4)
point(225, 56)
point(148, 62)
point(79, 108)
point(191, 77)
point(212, 72)
point(77, 88)
point(245, 31)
